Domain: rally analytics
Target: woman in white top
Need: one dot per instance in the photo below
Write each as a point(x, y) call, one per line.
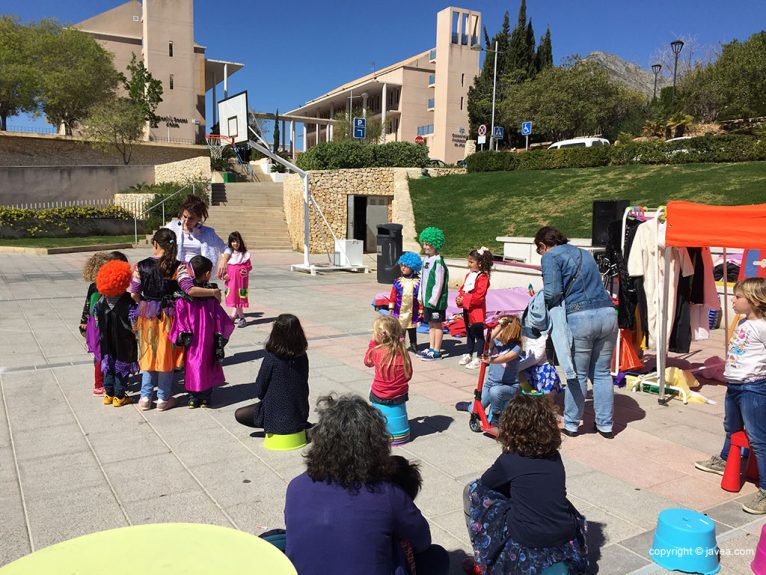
point(195, 239)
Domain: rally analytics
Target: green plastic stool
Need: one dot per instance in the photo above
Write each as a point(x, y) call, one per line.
point(285, 442)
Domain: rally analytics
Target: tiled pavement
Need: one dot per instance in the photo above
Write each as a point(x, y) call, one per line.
point(69, 465)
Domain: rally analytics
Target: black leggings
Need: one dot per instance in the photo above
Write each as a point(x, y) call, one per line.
point(474, 333)
point(246, 415)
point(412, 332)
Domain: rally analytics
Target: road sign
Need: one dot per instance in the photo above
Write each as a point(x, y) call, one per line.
point(481, 140)
point(419, 139)
point(499, 133)
point(360, 128)
point(526, 128)
point(482, 130)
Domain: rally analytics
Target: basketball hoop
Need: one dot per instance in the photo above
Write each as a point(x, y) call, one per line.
point(217, 143)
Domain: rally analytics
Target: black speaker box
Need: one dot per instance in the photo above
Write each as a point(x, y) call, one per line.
point(604, 213)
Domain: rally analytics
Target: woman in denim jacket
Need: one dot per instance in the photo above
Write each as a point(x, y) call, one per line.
point(571, 274)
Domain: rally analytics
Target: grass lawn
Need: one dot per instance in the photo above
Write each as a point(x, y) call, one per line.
point(473, 209)
point(67, 242)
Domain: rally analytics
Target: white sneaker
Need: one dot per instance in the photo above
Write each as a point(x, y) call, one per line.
point(475, 363)
point(465, 359)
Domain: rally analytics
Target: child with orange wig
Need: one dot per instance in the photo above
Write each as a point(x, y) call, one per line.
point(114, 316)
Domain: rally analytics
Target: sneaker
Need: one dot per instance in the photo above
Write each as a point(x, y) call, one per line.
point(98, 392)
point(204, 403)
point(413, 349)
point(757, 504)
point(463, 406)
point(241, 322)
point(145, 403)
point(713, 465)
point(120, 401)
point(167, 404)
point(424, 352)
point(465, 359)
point(108, 399)
point(475, 363)
point(193, 403)
point(431, 355)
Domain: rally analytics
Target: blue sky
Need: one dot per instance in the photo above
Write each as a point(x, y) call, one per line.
point(295, 50)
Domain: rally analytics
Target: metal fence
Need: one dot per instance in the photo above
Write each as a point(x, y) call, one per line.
point(99, 203)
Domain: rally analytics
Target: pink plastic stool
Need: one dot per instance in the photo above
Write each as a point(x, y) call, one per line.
point(759, 562)
point(731, 475)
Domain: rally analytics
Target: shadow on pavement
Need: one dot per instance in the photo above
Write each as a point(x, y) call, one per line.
point(244, 357)
point(596, 541)
point(422, 426)
point(230, 394)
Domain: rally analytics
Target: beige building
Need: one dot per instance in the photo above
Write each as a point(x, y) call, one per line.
point(161, 32)
point(425, 96)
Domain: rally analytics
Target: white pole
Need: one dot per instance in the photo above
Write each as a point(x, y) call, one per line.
point(725, 307)
point(661, 336)
point(494, 90)
point(306, 223)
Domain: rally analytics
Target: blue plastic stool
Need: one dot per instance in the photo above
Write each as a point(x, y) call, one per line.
point(556, 569)
point(685, 541)
point(396, 422)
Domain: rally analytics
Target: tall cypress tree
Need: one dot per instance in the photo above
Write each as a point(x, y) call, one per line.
point(518, 54)
point(544, 57)
point(529, 56)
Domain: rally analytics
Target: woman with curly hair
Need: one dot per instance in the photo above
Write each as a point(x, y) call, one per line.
point(346, 514)
point(518, 515)
point(195, 239)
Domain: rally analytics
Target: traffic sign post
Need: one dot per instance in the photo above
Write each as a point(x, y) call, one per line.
point(360, 128)
point(498, 134)
point(526, 130)
point(419, 139)
point(482, 132)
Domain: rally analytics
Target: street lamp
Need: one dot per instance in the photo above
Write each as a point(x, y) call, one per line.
point(656, 69)
point(494, 91)
point(676, 46)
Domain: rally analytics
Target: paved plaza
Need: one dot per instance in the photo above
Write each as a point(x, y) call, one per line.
point(70, 465)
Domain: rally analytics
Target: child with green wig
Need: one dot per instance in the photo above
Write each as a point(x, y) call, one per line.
point(433, 290)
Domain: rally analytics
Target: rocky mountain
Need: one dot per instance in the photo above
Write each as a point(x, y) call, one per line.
point(628, 74)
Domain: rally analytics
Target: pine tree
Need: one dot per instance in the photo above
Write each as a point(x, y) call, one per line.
point(529, 56)
point(518, 53)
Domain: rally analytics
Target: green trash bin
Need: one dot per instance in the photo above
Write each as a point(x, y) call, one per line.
point(229, 177)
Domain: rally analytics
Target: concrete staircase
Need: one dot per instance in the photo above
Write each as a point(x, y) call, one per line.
point(255, 210)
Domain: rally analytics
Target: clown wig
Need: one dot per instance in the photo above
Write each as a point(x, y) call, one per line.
point(433, 237)
point(412, 261)
point(113, 278)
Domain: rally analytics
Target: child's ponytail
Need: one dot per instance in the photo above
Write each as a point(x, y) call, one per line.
point(484, 258)
point(389, 335)
point(168, 263)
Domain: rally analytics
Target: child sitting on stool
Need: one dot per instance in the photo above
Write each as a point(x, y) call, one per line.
point(204, 328)
point(393, 368)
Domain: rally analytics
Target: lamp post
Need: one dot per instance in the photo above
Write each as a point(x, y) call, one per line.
point(676, 46)
point(656, 69)
point(494, 92)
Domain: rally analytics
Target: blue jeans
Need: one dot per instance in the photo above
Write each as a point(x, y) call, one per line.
point(162, 379)
point(594, 333)
point(115, 385)
point(497, 395)
point(745, 408)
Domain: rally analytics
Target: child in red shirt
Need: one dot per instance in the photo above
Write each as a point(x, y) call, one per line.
point(393, 368)
point(472, 297)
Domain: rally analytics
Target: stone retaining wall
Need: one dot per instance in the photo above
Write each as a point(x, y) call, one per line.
point(191, 170)
point(330, 189)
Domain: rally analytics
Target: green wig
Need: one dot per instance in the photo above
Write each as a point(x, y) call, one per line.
point(433, 237)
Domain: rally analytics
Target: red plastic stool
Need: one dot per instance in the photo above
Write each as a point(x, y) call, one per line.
point(731, 475)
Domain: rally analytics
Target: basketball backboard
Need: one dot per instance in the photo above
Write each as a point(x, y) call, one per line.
point(232, 117)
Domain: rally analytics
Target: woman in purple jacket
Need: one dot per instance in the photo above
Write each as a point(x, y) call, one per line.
point(345, 514)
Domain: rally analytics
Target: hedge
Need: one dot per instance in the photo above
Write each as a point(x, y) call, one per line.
point(352, 154)
point(32, 223)
point(706, 149)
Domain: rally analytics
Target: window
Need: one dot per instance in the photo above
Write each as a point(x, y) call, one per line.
point(432, 55)
point(461, 102)
point(430, 103)
point(426, 130)
point(170, 49)
point(462, 80)
point(170, 85)
point(431, 79)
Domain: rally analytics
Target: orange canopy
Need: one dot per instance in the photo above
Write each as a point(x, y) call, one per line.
point(701, 225)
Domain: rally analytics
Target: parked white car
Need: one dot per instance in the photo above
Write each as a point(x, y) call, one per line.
point(579, 143)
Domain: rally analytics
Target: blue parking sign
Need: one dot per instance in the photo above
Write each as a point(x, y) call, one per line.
point(499, 133)
point(526, 128)
point(360, 128)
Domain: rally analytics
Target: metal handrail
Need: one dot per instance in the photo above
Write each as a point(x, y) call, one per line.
point(150, 208)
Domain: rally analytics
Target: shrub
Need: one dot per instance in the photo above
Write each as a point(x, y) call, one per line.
point(351, 154)
point(707, 149)
point(36, 222)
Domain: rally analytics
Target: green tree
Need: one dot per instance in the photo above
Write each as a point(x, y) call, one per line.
point(740, 76)
point(78, 73)
point(276, 132)
point(20, 78)
point(544, 58)
point(143, 89)
point(519, 55)
point(115, 123)
point(530, 54)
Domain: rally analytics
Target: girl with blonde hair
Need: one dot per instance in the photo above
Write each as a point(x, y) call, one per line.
point(388, 355)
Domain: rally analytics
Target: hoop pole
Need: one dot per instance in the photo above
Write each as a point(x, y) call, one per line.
point(306, 222)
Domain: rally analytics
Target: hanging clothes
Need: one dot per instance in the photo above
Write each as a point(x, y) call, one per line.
point(622, 284)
